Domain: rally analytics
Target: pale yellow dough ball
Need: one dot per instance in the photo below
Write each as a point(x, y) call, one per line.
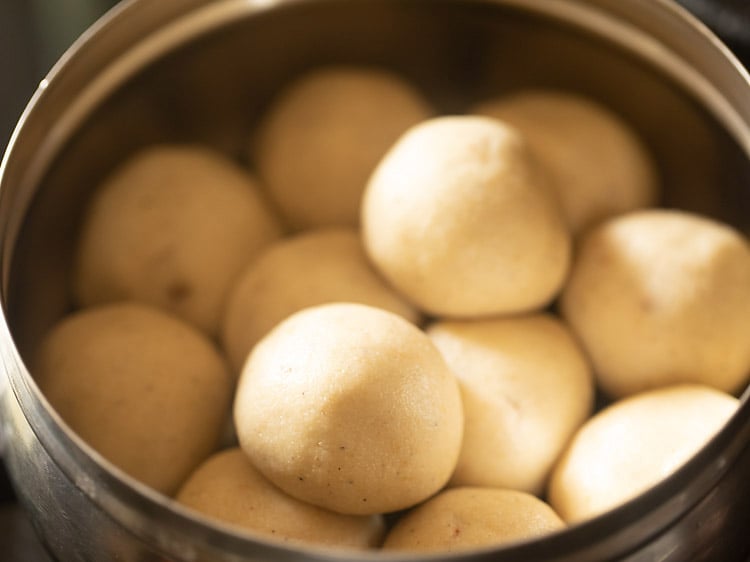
point(632, 445)
point(323, 135)
point(316, 267)
point(351, 408)
point(660, 297)
point(227, 487)
point(598, 165)
point(460, 220)
point(146, 390)
point(526, 388)
point(172, 227)
point(466, 518)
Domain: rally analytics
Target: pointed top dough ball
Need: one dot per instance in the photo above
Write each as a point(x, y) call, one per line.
point(351, 408)
point(227, 487)
point(323, 135)
point(316, 267)
point(466, 518)
point(146, 390)
point(632, 445)
point(172, 227)
point(526, 388)
point(597, 165)
point(659, 297)
point(459, 219)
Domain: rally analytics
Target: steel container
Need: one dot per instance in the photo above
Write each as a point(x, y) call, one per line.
point(202, 71)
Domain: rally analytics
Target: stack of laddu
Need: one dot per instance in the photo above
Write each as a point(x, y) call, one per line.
point(384, 310)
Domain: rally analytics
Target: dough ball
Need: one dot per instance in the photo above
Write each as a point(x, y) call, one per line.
point(659, 297)
point(146, 390)
point(632, 445)
point(316, 267)
point(227, 487)
point(172, 227)
point(460, 519)
point(526, 388)
point(598, 166)
point(458, 218)
point(323, 135)
point(350, 408)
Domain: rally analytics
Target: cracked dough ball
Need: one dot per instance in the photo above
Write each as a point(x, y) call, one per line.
point(598, 166)
point(316, 267)
point(526, 388)
point(351, 408)
point(323, 135)
point(466, 518)
point(659, 297)
point(632, 445)
point(227, 487)
point(146, 390)
point(172, 227)
point(458, 218)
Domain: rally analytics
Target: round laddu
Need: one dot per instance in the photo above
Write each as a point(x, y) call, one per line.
point(598, 165)
point(316, 267)
point(350, 408)
point(526, 388)
point(466, 518)
point(228, 488)
point(173, 227)
point(324, 133)
point(659, 297)
point(634, 444)
point(458, 218)
point(146, 390)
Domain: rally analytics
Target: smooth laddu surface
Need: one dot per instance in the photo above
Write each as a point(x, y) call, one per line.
point(172, 226)
point(526, 388)
point(315, 267)
point(145, 389)
point(459, 219)
point(463, 518)
point(351, 408)
point(634, 444)
point(597, 165)
point(323, 135)
point(660, 297)
point(227, 486)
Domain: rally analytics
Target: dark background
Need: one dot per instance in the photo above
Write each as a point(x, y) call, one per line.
point(33, 35)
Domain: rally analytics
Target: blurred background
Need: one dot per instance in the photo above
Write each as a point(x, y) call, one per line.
point(35, 33)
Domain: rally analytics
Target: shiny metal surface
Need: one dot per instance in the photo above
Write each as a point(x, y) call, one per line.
point(203, 70)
